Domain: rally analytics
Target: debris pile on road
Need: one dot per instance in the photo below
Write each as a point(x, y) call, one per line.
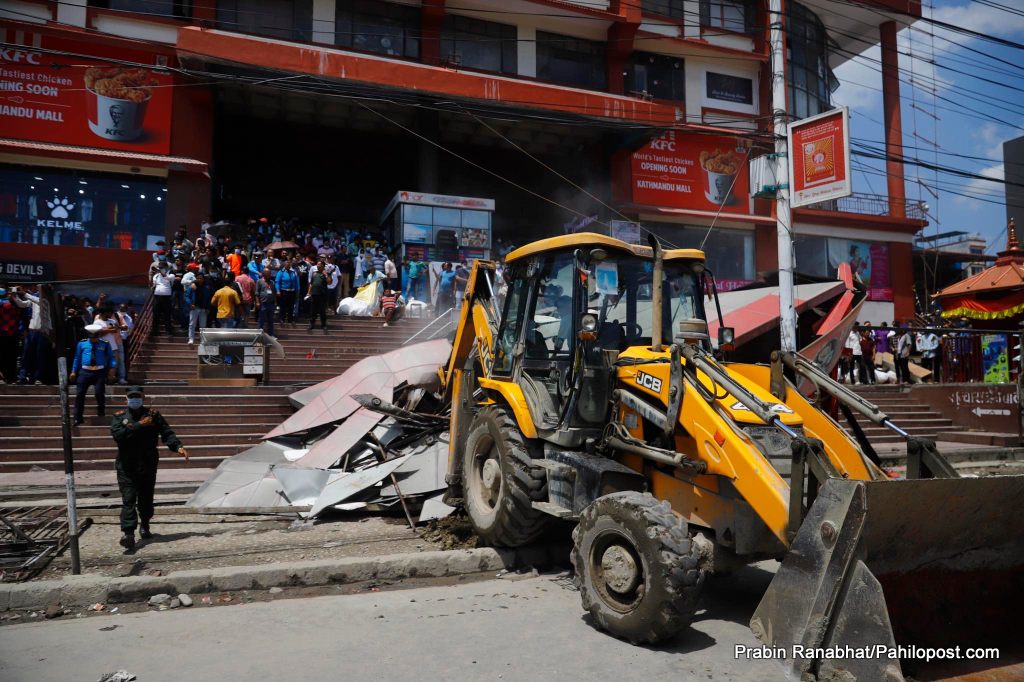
point(372, 438)
point(30, 537)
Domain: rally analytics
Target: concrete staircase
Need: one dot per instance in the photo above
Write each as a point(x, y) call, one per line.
point(914, 417)
point(348, 340)
point(213, 422)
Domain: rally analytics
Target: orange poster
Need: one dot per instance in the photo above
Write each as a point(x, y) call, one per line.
point(819, 158)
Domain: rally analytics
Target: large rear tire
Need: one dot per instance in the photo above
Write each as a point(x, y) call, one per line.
point(500, 482)
point(638, 571)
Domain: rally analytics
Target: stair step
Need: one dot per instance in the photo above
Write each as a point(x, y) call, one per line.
point(13, 437)
point(197, 418)
point(42, 448)
point(168, 460)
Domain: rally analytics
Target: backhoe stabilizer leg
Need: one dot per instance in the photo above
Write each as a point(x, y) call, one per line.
point(924, 459)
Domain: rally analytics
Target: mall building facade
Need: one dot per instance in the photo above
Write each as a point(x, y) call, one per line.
point(125, 119)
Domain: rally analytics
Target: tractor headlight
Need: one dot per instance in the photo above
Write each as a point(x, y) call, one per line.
point(588, 322)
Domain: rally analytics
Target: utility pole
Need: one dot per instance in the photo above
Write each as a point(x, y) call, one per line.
point(783, 212)
point(69, 465)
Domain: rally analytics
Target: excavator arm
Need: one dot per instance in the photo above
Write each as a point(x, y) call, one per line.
point(477, 327)
point(478, 319)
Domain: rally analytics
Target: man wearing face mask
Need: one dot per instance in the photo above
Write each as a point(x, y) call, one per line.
point(136, 431)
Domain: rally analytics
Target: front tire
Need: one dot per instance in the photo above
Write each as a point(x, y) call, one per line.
point(500, 482)
point(638, 571)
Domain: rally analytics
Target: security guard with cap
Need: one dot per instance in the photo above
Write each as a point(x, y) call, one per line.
point(136, 431)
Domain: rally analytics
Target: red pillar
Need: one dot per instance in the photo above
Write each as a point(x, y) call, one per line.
point(893, 122)
point(432, 19)
point(621, 35)
point(901, 279)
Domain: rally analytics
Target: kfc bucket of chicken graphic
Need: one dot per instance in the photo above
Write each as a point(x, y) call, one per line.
point(117, 101)
point(720, 170)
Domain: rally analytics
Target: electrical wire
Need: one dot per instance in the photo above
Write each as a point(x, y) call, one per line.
point(741, 132)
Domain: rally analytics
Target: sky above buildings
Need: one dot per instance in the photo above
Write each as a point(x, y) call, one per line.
point(959, 101)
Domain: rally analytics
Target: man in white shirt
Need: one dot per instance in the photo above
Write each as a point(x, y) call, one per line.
point(928, 344)
point(390, 274)
point(163, 287)
point(109, 319)
point(853, 346)
point(37, 351)
point(332, 286)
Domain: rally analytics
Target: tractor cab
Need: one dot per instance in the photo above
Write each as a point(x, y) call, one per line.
point(574, 305)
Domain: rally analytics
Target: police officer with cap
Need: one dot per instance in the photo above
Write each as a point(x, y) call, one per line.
point(136, 431)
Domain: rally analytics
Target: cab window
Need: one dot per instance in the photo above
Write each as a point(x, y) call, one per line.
point(550, 336)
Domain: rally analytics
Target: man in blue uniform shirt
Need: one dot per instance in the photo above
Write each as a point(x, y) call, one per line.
point(136, 431)
point(94, 362)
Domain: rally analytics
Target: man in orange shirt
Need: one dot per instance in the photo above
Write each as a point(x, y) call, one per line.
point(225, 301)
point(235, 261)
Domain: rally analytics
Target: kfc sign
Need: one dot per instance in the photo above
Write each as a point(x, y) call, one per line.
point(819, 158)
point(700, 172)
point(73, 100)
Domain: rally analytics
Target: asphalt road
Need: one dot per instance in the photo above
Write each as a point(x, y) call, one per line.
point(496, 629)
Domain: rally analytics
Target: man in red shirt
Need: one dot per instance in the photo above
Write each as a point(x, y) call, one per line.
point(248, 288)
point(9, 316)
point(389, 306)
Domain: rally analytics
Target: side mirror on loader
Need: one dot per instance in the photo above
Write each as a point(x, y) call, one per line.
point(726, 338)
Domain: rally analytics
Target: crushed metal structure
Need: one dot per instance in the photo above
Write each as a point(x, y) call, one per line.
point(373, 437)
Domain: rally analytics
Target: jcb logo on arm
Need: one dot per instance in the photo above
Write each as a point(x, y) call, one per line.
point(647, 381)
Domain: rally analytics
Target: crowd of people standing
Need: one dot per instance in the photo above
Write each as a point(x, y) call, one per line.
point(861, 361)
point(271, 274)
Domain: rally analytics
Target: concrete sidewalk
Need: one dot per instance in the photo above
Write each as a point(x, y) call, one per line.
point(84, 590)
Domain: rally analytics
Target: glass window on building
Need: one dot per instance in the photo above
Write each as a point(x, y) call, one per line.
point(730, 252)
point(676, 9)
point(811, 254)
point(656, 75)
point(77, 208)
point(729, 15)
point(811, 81)
point(420, 214)
point(285, 19)
point(175, 9)
point(478, 44)
point(572, 61)
point(380, 27)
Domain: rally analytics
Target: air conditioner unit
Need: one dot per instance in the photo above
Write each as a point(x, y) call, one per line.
point(764, 181)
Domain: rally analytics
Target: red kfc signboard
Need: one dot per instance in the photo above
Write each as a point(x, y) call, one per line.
point(65, 99)
point(700, 172)
point(819, 158)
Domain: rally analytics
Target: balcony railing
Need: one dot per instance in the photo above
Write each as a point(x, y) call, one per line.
point(869, 204)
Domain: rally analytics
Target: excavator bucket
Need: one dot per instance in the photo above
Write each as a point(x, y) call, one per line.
point(883, 575)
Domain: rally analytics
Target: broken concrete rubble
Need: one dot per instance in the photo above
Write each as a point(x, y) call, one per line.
point(374, 436)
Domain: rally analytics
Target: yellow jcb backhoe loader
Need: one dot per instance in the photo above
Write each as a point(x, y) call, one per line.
point(589, 391)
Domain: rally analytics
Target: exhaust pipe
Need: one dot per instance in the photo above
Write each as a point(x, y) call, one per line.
point(657, 284)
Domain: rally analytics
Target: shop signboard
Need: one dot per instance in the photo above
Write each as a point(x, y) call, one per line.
point(819, 158)
point(728, 88)
point(75, 100)
point(699, 172)
point(17, 270)
point(994, 360)
point(80, 208)
point(443, 200)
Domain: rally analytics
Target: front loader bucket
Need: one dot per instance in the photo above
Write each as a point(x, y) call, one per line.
point(920, 564)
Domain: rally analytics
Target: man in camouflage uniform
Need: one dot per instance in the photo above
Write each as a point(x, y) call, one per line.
point(136, 431)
